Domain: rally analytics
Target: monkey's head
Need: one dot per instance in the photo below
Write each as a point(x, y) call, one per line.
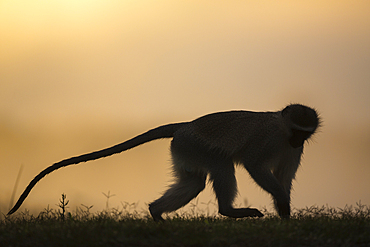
point(302, 122)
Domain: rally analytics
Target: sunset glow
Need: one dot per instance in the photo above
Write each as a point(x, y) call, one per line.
point(79, 76)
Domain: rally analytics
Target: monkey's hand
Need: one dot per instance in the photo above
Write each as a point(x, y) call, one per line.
point(283, 210)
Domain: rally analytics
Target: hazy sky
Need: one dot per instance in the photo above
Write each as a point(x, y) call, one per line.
point(78, 76)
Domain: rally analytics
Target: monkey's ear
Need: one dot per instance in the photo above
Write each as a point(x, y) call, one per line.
point(298, 137)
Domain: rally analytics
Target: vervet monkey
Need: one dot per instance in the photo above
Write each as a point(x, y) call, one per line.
point(268, 144)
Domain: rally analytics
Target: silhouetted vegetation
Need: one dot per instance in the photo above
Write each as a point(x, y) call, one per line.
point(312, 226)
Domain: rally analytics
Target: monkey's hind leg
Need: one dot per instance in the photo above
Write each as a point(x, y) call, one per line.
point(269, 183)
point(186, 187)
point(224, 185)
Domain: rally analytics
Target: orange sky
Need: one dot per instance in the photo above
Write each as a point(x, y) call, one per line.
point(78, 76)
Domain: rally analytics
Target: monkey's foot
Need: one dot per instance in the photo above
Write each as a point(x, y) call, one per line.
point(241, 212)
point(256, 213)
point(157, 216)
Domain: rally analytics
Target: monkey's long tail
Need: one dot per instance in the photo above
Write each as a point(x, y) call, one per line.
point(165, 131)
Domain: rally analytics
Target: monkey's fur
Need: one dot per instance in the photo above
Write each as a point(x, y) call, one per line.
point(268, 144)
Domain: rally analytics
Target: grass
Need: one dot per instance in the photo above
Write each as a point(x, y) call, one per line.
point(313, 226)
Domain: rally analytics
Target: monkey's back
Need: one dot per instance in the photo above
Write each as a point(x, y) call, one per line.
point(233, 130)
